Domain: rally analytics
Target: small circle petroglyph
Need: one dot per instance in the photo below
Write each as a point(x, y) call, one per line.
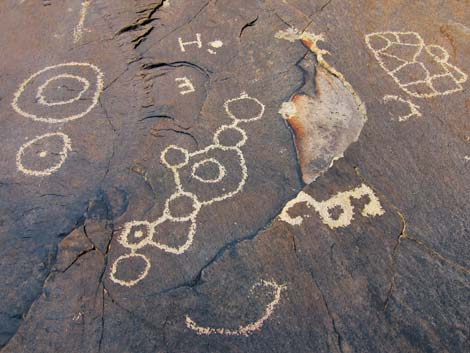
point(63, 154)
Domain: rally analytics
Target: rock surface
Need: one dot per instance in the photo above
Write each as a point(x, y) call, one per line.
point(234, 176)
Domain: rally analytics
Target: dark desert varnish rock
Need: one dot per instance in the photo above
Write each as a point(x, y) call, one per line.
point(234, 176)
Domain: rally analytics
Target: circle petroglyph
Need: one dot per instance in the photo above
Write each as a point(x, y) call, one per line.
point(244, 101)
point(128, 260)
point(35, 99)
point(175, 206)
point(230, 136)
point(42, 99)
point(41, 156)
point(208, 163)
point(174, 157)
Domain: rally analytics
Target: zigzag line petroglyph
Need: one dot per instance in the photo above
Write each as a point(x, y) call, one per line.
point(414, 109)
point(246, 330)
point(342, 200)
point(139, 234)
point(405, 56)
point(83, 106)
point(66, 147)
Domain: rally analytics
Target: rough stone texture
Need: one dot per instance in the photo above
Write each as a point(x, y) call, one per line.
point(389, 279)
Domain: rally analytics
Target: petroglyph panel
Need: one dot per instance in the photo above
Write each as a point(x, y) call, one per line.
point(229, 174)
point(160, 221)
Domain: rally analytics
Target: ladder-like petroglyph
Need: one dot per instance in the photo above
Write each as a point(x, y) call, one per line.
point(420, 70)
point(201, 179)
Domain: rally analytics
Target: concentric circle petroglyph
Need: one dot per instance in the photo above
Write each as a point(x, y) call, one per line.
point(31, 101)
point(136, 234)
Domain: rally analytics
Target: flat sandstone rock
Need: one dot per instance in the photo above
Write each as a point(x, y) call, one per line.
point(234, 176)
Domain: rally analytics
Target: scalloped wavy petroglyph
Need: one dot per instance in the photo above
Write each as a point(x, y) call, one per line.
point(244, 330)
point(139, 234)
point(420, 70)
point(342, 200)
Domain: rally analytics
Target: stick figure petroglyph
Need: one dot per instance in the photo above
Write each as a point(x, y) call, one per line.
point(420, 70)
point(245, 330)
point(202, 178)
point(341, 200)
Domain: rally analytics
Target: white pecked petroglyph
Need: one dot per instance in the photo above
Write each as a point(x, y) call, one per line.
point(187, 168)
point(78, 30)
point(245, 330)
point(30, 100)
point(420, 70)
point(216, 44)
point(196, 42)
point(186, 84)
point(44, 154)
point(341, 200)
point(43, 100)
point(414, 109)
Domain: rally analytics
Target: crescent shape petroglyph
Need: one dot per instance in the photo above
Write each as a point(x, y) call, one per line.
point(246, 330)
